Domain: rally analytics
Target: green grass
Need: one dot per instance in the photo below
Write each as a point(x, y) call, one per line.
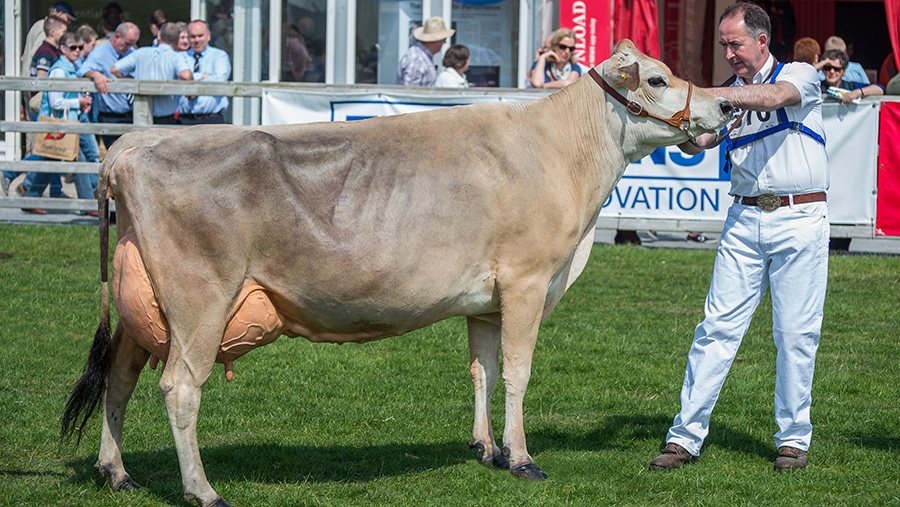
point(386, 422)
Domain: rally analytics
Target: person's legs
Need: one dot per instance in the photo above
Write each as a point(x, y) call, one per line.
point(738, 283)
point(36, 183)
point(56, 185)
point(83, 181)
point(799, 275)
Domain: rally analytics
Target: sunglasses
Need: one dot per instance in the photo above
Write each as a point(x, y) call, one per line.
point(564, 47)
point(74, 47)
point(831, 67)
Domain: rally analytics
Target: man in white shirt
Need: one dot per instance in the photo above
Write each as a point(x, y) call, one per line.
point(775, 237)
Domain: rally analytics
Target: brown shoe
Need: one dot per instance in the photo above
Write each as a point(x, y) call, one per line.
point(672, 457)
point(790, 458)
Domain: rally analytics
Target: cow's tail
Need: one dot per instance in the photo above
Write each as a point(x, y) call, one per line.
point(90, 387)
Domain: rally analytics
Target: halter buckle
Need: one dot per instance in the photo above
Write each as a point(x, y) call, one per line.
point(635, 108)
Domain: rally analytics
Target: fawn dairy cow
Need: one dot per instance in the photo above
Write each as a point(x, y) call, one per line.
point(230, 237)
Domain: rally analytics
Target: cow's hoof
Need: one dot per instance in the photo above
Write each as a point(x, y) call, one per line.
point(529, 471)
point(500, 461)
point(221, 503)
point(126, 484)
point(496, 461)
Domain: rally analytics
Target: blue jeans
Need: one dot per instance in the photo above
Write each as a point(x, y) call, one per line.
point(85, 184)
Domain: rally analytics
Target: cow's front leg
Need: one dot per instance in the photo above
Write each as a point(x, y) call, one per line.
point(128, 359)
point(484, 348)
point(521, 316)
point(181, 385)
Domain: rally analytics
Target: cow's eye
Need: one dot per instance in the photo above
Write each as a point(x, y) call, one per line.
point(656, 82)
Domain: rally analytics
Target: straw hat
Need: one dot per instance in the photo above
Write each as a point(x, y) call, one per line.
point(433, 31)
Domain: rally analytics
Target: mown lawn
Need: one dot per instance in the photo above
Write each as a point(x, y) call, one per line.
point(386, 423)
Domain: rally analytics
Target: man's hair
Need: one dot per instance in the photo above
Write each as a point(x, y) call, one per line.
point(456, 56)
point(125, 28)
point(53, 22)
point(756, 21)
point(168, 33)
point(837, 54)
point(70, 38)
point(835, 42)
point(158, 17)
point(200, 21)
point(806, 50)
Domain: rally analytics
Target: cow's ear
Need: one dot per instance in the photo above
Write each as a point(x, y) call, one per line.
point(628, 76)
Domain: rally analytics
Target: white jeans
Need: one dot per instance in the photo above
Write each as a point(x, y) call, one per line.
point(786, 249)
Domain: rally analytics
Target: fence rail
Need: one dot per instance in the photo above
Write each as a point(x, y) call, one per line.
point(143, 93)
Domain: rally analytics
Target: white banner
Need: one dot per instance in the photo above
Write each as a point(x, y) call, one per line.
point(667, 184)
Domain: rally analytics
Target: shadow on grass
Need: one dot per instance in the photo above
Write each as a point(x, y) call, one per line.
point(876, 442)
point(619, 432)
point(158, 473)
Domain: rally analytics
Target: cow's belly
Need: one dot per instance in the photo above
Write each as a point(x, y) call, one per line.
point(261, 316)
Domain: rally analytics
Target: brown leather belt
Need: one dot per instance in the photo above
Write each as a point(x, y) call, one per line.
point(771, 202)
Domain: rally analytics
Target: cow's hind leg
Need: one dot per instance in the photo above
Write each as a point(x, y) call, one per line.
point(128, 359)
point(188, 367)
point(522, 305)
point(484, 347)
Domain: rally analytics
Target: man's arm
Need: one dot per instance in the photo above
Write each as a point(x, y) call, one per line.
point(186, 75)
point(99, 80)
point(761, 97)
point(221, 69)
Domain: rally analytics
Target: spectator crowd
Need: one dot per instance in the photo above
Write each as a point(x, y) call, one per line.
point(55, 48)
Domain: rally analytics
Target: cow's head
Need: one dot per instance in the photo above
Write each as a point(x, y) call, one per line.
point(648, 86)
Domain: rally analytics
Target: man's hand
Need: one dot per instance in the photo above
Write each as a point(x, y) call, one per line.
point(760, 97)
point(99, 80)
point(84, 103)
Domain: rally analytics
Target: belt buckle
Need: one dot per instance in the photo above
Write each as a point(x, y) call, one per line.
point(768, 202)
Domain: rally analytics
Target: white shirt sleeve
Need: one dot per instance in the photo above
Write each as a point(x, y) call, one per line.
point(57, 100)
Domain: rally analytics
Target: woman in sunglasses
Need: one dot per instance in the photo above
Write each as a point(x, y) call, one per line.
point(71, 106)
point(834, 65)
point(557, 67)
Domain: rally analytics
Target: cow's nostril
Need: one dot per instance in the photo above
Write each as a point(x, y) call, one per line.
point(726, 107)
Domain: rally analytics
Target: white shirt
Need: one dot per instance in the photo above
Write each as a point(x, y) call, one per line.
point(450, 78)
point(786, 162)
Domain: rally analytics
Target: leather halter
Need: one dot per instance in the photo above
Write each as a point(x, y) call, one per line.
point(680, 120)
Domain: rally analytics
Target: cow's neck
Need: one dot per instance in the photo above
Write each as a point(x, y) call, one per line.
point(602, 147)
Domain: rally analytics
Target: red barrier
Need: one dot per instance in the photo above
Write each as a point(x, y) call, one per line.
point(887, 216)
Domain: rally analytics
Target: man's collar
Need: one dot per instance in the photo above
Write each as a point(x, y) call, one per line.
point(424, 47)
point(760, 76)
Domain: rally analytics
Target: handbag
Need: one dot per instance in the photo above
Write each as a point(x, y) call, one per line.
point(56, 145)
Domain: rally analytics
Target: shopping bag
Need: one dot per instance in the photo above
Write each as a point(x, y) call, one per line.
point(56, 145)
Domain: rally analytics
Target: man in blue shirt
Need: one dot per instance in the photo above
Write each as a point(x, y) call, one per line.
point(207, 64)
point(161, 63)
point(111, 107)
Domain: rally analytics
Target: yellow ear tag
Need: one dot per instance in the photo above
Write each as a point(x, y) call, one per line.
point(624, 76)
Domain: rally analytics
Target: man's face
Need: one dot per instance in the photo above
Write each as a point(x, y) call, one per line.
point(122, 44)
point(62, 15)
point(744, 53)
point(199, 36)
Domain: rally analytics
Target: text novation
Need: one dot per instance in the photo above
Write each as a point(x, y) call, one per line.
point(628, 196)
